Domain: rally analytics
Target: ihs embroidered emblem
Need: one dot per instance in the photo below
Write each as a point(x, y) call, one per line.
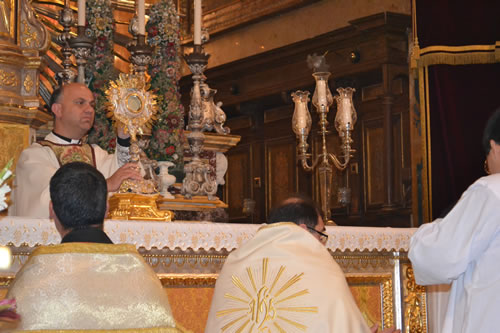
point(267, 304)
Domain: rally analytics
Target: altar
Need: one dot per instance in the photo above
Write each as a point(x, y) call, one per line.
point(187, 257)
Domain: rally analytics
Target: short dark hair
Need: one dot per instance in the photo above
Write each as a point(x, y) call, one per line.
point(56, 95)
point(298, 212)
point(492, 131)
point(79, 195)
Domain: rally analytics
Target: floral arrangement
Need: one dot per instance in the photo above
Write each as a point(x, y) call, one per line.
point(8, 310)
point(100, 70)
point(164, 35)
point(4, 188)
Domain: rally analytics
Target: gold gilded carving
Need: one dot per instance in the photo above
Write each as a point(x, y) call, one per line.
point(265, 300)
point(188, 280)
point(29, 36)
point(385, 283)
point(203, 262)
point(8, 79)
point(13, 139)
point(131, 206)
point(5, 17)
point(387, 303)
point(28, 83)
point(415, 305)
point(6, 280)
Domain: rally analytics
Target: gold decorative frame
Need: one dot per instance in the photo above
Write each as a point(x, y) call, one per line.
point(415, 304)
point(385, 283)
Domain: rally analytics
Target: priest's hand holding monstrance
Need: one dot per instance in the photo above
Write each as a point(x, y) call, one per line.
point(132, 106)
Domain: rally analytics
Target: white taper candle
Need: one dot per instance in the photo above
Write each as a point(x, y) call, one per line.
point(197, 22)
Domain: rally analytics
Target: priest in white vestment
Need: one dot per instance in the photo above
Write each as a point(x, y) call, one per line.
point(284, 280)
point(463, 249)
point(73, 109)
point(87, 283)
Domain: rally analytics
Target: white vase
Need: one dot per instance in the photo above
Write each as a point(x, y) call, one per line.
point(166, 179)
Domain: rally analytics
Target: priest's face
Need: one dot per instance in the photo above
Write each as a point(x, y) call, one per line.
point(320, 228)
point(74, 111)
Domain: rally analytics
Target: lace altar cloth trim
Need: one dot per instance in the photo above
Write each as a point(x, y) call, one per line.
point(198, 235)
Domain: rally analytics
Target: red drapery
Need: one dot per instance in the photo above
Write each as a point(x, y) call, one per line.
point(461, 97)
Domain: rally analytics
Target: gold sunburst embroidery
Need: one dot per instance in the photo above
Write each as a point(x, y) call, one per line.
point(262, 313)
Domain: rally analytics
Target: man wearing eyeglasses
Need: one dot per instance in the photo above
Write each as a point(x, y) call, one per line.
point(285, 279)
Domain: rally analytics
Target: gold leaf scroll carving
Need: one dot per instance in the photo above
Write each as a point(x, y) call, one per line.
point(29, 36)
point(415, 305)
point(8, 79)
point(28, 83)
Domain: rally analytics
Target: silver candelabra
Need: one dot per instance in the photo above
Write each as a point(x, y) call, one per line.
point(345, 119)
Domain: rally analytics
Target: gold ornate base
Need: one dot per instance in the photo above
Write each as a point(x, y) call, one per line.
point(132, 206)
point(196, 203)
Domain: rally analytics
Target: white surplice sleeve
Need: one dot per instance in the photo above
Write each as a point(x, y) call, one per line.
point(441, 251)
point(107, 163)
point(35, 167)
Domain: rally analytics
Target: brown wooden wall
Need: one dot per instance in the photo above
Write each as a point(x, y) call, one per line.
point(256, 95)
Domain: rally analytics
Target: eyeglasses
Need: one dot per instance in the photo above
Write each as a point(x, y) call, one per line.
point(323, 238)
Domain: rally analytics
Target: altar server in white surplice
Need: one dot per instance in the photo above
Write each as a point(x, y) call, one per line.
point(87, 283)
point(73, 109)
point(285, 280)
point(463, 249)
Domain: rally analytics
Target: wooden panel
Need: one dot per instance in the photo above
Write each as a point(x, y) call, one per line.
point(239, 123)
point(397, 158)
point(281, 170)
point(239, 173)
point(333, 144)
point(373, 140)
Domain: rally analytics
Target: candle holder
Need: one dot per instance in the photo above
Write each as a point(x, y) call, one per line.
point(200, 176)
point(66, 19)
point(140, 54)
point(81, 46)
point(322, 99)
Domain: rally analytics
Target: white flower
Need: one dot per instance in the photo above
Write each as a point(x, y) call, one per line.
point(4, 188)
point(3, 192)
point(5, 176)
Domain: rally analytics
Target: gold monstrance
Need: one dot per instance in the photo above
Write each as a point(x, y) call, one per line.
point(134, 107)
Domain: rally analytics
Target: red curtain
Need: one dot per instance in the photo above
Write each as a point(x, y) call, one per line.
point(457, 22)
point(461, 97)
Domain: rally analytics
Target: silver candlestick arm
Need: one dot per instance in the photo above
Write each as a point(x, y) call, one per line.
point(81, 45)
point(66, 19)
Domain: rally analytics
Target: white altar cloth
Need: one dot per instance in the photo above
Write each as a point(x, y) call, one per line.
point(19, 231)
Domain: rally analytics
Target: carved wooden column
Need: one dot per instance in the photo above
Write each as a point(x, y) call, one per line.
point(387, 102)
point(22, 41)
point(387, 105)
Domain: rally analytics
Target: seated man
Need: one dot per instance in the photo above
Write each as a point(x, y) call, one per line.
point(87, 283)
point(284, 279)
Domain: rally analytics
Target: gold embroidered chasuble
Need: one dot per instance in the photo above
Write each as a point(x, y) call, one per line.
point(71, 152)
point(38, 163)
point(89, 287)
point(283, 280)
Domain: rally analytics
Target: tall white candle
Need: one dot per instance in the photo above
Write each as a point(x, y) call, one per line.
point(81, 12)
point(197, 22)
point(344, 111)
point(321, 88)
point(141, 13)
